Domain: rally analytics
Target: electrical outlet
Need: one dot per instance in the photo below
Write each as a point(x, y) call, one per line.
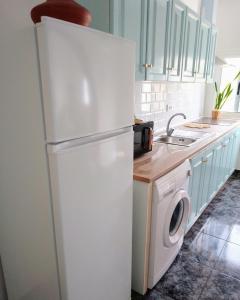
point(169, 107)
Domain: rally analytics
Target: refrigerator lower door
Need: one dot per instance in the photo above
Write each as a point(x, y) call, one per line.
point(92, 204)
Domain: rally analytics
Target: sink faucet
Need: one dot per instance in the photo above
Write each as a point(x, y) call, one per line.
point(170, 130)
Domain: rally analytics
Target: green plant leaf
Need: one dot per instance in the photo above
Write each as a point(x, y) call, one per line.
point(223, 96)
point(218, 100)
point(226, 98)
point(226, 91)
point(237, 76)
point(226, 88)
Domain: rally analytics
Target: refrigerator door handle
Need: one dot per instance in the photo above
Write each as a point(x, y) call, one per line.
point(52, 148)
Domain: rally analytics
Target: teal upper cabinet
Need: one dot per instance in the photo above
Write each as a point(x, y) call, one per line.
point(202, 51)
point(190, 46)
point(134, 27)
point(159, 12)
point(171, 41)
point(211, 54)
point(126, 18)
point(100, 13)
point(178, 17)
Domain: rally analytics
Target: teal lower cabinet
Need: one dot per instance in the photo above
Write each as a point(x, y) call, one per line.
point(235, 150)
point(194, 187)
point(210, 170)
point(226, 161)
point(207, 173)
point(199, 187)
point(215, 183)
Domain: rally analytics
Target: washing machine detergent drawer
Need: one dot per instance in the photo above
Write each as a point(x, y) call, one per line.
point(170, 211)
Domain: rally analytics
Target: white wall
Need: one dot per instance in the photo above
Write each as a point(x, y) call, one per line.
point(228, 23)
point(193, 4)
point(26, 234)
point(210, 93)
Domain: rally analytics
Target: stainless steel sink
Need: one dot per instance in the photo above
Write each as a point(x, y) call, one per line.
point(175, 140)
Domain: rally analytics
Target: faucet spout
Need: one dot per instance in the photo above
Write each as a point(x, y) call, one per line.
point(170, 130)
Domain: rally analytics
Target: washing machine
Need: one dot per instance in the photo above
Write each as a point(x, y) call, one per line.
point(170, 212)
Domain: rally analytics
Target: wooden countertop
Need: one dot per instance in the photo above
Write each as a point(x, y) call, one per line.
point(165, 157)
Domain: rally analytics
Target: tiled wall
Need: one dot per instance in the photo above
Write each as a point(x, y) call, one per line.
point(157, 101)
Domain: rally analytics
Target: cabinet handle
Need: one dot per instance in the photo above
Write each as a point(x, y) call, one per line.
point(205, 160)
point(147, 65)
point(169, 69)
point(224, 145)
point(168, 192)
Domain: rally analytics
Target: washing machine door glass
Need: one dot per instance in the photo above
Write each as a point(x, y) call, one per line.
point(176, 218)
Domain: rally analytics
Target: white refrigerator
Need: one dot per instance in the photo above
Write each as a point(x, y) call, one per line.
point(87, 81)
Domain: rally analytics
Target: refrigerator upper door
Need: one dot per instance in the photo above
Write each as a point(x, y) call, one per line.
point(92, 204)
point(87, 80)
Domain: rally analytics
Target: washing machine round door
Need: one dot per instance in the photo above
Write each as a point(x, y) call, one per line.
point(176, 218)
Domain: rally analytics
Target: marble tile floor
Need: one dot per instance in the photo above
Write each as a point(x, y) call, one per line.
point(208, 265)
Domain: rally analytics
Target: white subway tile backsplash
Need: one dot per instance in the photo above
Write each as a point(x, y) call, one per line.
point(164, 95)
point(146, 108)
point(162, 106)
point(163, 87)
point(149, 97)
point(138, 87)
point(146, 87)
point(153, 97)
point(172, 87)
point(156, 87)
point(158, 96)
point(138, 109)
point(155, 107)
point(157, 101)
point(143, 97)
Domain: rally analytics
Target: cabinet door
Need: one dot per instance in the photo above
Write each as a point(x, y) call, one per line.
point(190, 46)
point(224, 162)
point(126, 18)
point(235, 150)
point(100, 13)
point(134, 22)
point(195, 187)
point(211, 54)
point(202, 51)
point(216, 182)
point(178, 17)
point(158, 39)
point(213, 181)
point(207, 170)
point(230, 155)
